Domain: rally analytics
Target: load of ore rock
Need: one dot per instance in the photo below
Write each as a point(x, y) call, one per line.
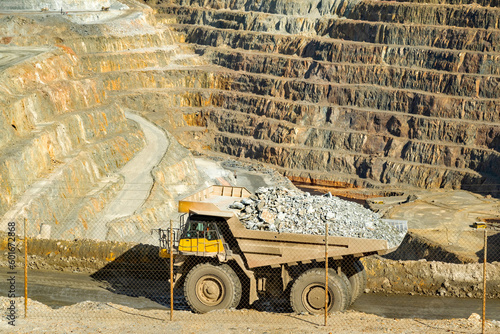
point(282, 210)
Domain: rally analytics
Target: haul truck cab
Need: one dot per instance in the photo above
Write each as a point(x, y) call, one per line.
point(215, 256)
point(201, 237)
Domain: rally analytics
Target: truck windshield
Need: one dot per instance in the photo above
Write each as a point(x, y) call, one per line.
point(202, 230)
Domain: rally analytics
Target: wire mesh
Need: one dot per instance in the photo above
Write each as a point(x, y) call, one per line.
point(121, 280)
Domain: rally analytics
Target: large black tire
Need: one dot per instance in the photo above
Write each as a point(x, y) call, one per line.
point(348, 285)
point(208, 287)
point(308, 292)
point(358, 278)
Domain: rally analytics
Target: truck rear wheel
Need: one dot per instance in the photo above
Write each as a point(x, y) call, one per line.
point(208, 287)
point(347, 282)
point(308, 292)
point(358, 280)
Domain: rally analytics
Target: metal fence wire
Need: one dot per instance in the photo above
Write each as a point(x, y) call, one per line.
point(206, 267)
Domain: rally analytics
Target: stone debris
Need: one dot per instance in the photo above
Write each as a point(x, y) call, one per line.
point(275, 178)
point(474, 317)
point(282, 210)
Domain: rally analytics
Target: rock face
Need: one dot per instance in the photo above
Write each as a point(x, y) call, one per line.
point(431, 278)
point(368, 93)
point(364, 93)
point(288, 211)
point(64, 134)
point(56, 123)
point(56, 4)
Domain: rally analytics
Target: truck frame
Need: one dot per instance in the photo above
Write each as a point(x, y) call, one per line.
point(221, 264)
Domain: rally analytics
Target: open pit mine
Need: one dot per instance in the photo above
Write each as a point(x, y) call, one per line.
point(111, 111)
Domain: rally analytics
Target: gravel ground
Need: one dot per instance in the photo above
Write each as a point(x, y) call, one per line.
point(92, 317)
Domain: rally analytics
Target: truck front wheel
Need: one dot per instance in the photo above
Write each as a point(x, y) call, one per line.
point(208, 287)
point(308, 292)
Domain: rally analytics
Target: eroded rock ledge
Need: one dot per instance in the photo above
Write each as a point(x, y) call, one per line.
point(371, 93)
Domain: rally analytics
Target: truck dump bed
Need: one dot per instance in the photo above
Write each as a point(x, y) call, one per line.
point(265, 248)
point(214, 198)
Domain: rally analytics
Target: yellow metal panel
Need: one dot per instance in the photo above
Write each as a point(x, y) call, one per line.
point(186, 206)
point(165, 254)
point(201, 246)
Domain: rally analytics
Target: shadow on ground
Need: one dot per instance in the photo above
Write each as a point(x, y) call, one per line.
point(140, 272)
point(492, 248)
point(415, 247)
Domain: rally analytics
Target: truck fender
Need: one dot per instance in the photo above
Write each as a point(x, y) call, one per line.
point(253, 296)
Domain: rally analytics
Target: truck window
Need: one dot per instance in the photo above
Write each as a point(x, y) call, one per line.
point(202, 230)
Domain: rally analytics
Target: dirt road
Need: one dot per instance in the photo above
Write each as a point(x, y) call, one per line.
point(92, 317)
point(138, 178)
point(61, 302)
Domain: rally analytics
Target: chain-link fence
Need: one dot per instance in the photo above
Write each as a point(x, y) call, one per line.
point(226, 275)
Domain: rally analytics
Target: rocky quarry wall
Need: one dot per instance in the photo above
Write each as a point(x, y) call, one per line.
point(365, 93)
point(373, 94)
point(332, 91)
point(56, 4)
point(64, 133)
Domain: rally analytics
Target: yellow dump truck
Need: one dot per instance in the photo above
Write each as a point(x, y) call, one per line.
point(222, 264)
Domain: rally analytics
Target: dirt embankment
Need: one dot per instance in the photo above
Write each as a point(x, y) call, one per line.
point(432, 278)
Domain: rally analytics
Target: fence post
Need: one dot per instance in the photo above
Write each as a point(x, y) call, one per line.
point(326, 273)
point(25, 271)
point(484, 280)
point(171, 272)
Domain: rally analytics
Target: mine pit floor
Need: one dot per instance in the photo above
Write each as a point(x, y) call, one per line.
point(57, 289)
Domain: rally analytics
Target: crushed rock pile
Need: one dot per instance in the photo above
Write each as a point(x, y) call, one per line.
point(282, 210)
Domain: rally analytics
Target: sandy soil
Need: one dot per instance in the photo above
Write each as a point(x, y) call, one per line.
point(91, 317)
